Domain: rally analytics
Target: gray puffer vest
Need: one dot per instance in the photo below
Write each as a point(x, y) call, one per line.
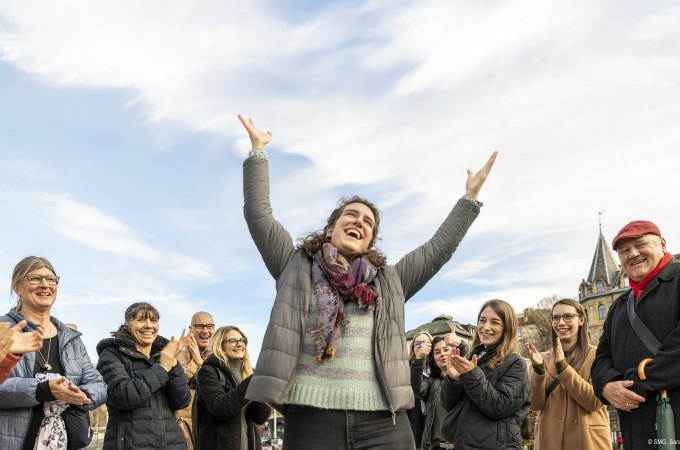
point(291, 268)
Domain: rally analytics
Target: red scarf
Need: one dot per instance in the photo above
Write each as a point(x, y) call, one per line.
point(640, 286)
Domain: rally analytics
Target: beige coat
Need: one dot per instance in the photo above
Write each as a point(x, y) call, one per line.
point(571, 418)
point(183, 416)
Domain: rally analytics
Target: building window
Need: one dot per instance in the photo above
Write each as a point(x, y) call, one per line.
point(599, 286)
point(602, 311)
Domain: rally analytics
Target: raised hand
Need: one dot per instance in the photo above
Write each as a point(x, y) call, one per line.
point(452, 340)
point(475, 181)
point(534, 355)
point(423, 350)
point(31, 341)
point(194, 351)
point(172, 349)
point(63, 389)
point(559, 352)
point(258, 138)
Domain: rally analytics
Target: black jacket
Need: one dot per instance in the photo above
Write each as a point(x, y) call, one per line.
point(217, 415)
point(425, 389)
point(620, 351)
point(487, 406)
point(142, 396)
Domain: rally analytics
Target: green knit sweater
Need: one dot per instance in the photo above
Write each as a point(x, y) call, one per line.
point(347, 381)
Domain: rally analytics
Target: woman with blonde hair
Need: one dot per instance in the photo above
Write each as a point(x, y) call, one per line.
point(488, 392)
point(223, 417)
point(562, 389)
point(47, 397)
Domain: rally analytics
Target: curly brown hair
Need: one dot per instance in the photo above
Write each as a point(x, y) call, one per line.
point(313, 241)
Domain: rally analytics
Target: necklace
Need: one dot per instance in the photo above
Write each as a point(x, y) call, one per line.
point(48, 366)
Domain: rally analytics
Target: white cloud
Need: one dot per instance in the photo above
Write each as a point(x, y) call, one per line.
point(394, 100)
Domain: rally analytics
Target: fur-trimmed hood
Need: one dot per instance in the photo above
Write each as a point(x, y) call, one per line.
point(122, 339)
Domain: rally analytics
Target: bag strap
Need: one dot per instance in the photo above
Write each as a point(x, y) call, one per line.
point(646, 336)
point(551, 388)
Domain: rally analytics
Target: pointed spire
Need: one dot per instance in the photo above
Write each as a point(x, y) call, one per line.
point(604, 265)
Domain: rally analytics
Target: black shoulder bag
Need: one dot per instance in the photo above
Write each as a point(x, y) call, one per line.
point(646, 336)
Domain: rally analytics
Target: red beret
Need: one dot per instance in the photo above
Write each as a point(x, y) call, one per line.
point(635, 229)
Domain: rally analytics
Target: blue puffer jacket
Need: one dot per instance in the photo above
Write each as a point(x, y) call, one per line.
point(17, 393)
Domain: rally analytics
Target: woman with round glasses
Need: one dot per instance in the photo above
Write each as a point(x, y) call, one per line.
point(57, 382)
point(417, 358)
point(146, 383)
point(571, 416)
point(335, 354)
point(224, 419)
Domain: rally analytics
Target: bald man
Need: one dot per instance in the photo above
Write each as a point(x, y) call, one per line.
point(200, 331)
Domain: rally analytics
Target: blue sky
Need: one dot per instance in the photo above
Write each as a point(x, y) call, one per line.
point(121, 154)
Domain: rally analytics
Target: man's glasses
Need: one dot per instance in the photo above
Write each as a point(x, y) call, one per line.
point(235, 342)
point(52, 280)
point(204, 326)
point(568, 318)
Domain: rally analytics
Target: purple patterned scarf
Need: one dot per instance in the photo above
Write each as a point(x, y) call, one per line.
point(335, 282)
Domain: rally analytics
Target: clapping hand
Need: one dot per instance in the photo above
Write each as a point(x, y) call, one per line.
point(534, 355)
point(64, 389)
point(559, 352)
point(258, 138)
point(458, 365)
point(171, 350)
point(194, 351)
point(6, 339)
point(13, 340)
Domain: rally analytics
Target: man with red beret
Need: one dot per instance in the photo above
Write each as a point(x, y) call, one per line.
point(654, 278)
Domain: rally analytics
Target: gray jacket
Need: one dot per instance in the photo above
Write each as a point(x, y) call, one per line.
point(291, 269)
point(17, 393)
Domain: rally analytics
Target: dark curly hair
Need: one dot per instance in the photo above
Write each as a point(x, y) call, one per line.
point(313, 241)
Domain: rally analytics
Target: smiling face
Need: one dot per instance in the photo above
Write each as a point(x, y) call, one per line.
point(441, 355)
point(144, 328)
point(234, 351)
point(641, 255)
point(202, 327)
point(37, 297)
point(352, 232)
point(489, 327)
point(568, 324)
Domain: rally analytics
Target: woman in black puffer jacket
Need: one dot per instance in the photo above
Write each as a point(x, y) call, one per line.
point(145, 384)
point(223, 418)
point(488, 393)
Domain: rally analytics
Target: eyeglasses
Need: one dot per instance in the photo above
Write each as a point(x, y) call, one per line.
point(204, 326)
point(235, 342)
point(52, 280)
point(568, 318)
point(419, 343)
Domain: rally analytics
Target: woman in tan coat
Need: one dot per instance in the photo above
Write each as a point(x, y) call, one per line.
point(570, 416)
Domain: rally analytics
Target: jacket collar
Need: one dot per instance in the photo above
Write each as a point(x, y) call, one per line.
point(124, 341)
point(666, 274)
point(65, 333)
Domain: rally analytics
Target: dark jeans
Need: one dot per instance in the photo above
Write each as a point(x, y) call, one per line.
point(331, 429)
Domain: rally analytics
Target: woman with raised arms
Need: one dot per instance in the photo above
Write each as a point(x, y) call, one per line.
point(334, 355)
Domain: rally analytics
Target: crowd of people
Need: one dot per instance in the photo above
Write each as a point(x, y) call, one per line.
point(335, 359)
